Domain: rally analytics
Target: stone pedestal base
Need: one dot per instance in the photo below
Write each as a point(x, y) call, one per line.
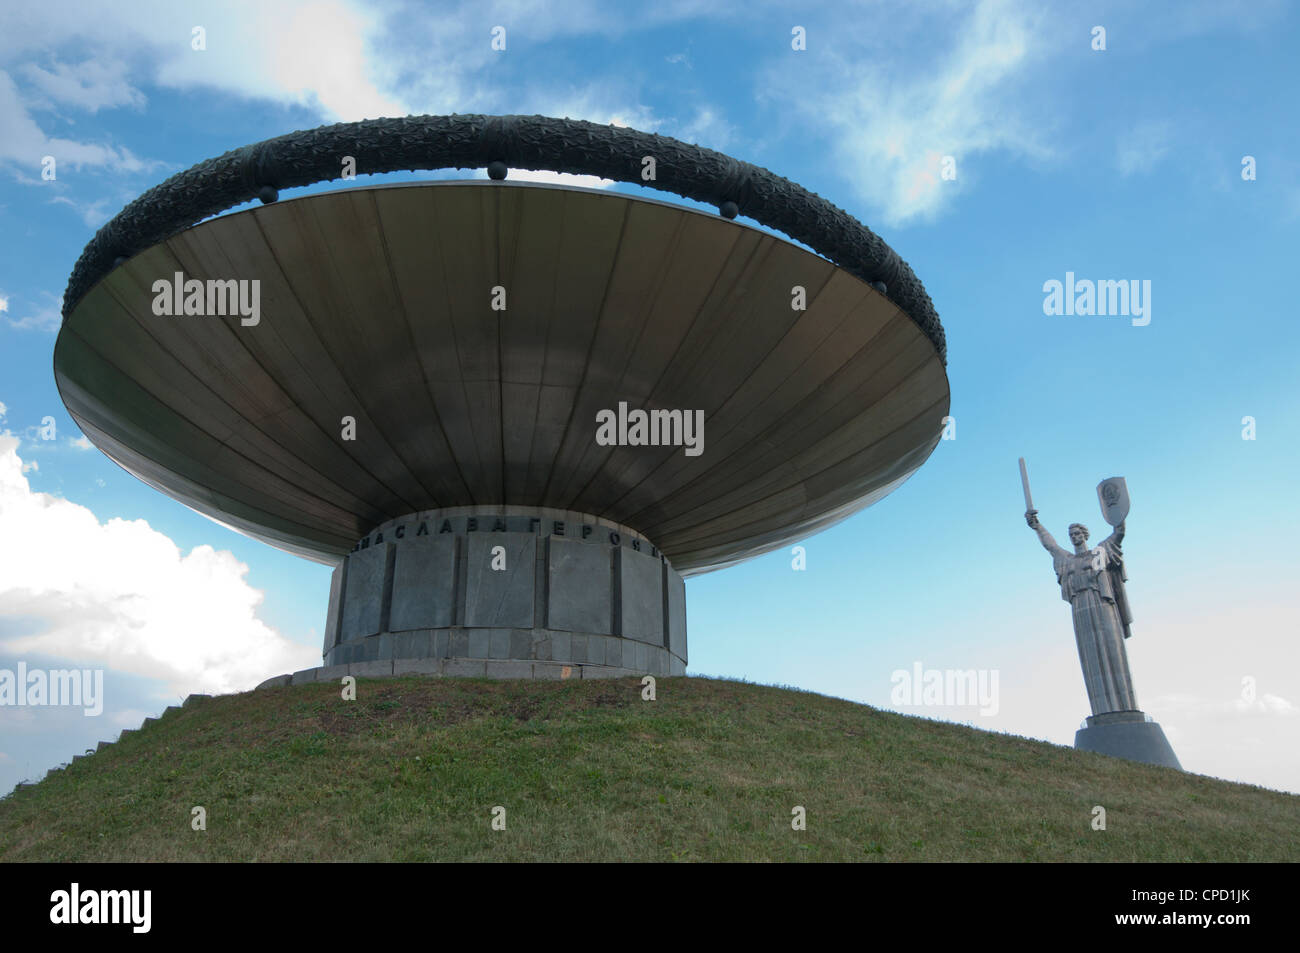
point(1127, 734)
point(465, 667)
point(483, 586)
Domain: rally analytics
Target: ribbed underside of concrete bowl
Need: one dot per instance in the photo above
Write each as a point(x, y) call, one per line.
point(377, 305)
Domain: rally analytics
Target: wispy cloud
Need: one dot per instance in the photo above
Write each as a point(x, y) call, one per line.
point(337, 58)
point(313, 54)
point(316, 53)
point(93, 214)
point(47, 316)
point(91, 85)
point(895, 118)
point(24, 144)
point(707, 128)
point(1143, 146)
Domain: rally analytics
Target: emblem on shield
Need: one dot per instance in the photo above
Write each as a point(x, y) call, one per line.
point(1113, 494)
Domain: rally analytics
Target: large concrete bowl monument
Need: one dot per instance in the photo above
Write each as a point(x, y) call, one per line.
point(512, 416)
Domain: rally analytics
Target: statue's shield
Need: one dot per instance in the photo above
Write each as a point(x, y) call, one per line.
point(1113, 494)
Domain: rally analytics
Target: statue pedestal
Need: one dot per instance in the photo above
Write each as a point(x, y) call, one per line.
point(1127, 734)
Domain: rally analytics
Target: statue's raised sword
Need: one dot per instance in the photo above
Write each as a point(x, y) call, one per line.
point(1024, 482)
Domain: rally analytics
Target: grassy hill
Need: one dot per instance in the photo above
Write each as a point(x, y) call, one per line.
point(711, 770)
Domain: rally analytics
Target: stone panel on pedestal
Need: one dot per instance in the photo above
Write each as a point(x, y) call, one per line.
point(578, 586)
point(676, 615)
point(423, 577)
point(334, 615)
point(363, 598)
point(500, 597)
point(640, 579)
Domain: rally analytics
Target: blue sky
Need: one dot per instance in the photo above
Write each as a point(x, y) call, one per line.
point(1122, 163)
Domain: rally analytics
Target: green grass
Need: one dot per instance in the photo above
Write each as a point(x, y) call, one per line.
point(412, 769)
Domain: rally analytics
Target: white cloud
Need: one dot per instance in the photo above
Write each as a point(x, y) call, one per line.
point(599, 104)
point(90, 85)
point(30, 466)
point(122, 594)
point(1235, 739)
point(311, 53)
point(557, 178)
point(339, 58)
point(93, 214)
point(315, 53)
point(707, 129)
point(3, 409)
point(1144, 145)
point(81, 443)
point(45, 317)
point(1267, 705)
point(4, 303)
point(24, 143)
point(896, 117)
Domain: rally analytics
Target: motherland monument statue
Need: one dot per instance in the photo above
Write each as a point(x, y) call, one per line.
point(1093, 582)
